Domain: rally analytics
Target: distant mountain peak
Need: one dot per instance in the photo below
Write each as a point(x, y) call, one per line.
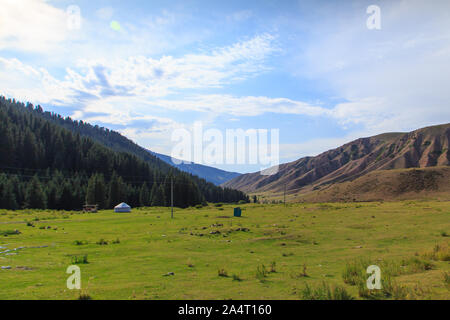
point(210, 174)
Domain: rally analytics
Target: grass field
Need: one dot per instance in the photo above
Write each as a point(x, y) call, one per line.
point(298, 251)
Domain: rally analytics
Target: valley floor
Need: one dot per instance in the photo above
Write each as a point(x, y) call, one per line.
point(271, 252)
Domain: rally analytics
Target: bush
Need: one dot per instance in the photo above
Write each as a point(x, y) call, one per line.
point(446, 276)
point(272, 267)
point(102, 242)
point(261, 273)
point(236, 278)
point(9, 232)
point(325, 292)
point(441, 252)
point(222, 273)
point(80, 242)
point(84, 296)
point(80, 259)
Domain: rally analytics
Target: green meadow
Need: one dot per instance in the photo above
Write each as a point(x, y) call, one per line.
point(297, 251)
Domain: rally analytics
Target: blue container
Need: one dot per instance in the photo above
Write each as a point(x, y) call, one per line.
point(237, 212)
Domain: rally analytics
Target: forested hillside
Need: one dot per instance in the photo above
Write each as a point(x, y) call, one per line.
point(43, 164)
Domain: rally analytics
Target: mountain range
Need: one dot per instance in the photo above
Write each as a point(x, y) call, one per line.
point(51, 162)
point(211, 174)
point(422, 148)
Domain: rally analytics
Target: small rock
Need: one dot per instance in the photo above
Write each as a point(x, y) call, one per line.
point(358, 247)
point(169, 274)
point(6, 267)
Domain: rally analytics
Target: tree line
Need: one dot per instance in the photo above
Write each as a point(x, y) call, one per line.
point(45, 165)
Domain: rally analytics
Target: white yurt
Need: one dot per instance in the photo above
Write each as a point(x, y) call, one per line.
point(123, 207)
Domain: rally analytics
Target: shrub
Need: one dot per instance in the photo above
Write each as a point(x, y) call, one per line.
point(441, 252)
point(272, 267)
point(102, 242)
point(80, 259)
point(446, 276)
point(117, 241)
point(236, 278)
point(222, 273)
point(261, 273)
point(9, 232)
point(80, 242)
point(355, 272)
point(325, 292)
point(304, 274)
point(389, 289)
point(84, 296)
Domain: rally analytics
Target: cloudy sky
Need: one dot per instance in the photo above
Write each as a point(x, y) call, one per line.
point(311, 69)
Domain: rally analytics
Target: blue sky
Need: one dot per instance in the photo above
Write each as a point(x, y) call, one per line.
point(311, 69)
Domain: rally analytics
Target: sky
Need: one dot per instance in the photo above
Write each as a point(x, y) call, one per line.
point(311, 69)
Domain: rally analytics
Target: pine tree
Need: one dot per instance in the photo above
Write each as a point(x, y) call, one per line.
point(96, 191)
point(65, 199)
point(144, 196)
point(7, 197)
point(115, 191)
point(90, 193)
point(158, 198)
point(35, 196)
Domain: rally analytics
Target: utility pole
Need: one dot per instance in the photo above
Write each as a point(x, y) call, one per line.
point(171, 194)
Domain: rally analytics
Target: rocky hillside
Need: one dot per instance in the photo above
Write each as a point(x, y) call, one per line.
point(426, 147)
point(397, 184)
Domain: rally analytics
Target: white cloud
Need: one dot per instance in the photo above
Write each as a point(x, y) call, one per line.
point(395, 78)
point(31, 25)
point(105, 13)
point(242, 106)
point(138, 76)
point(239, 16)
